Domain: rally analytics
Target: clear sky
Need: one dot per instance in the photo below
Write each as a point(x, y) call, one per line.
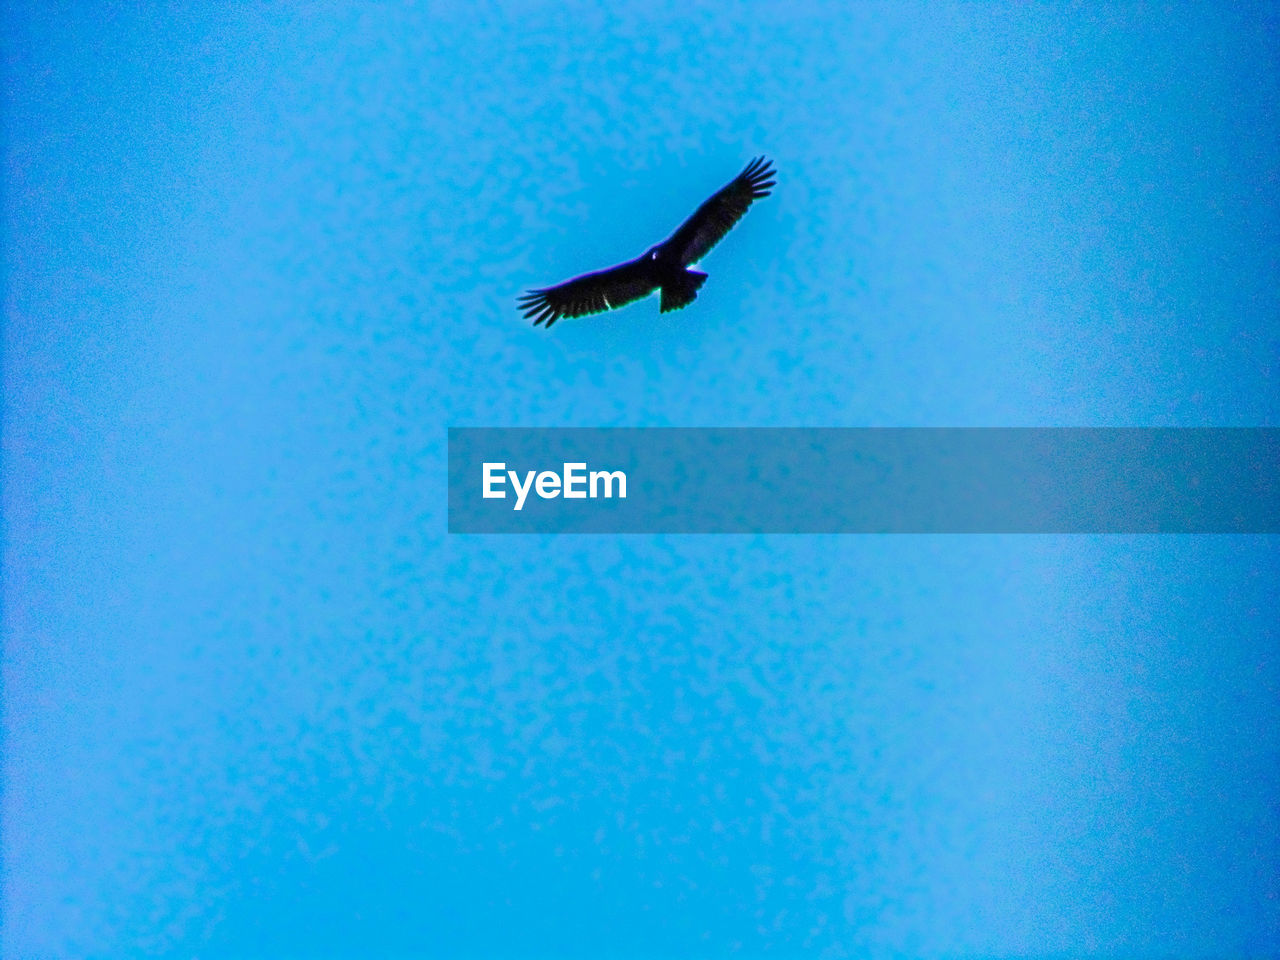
point(257, 702)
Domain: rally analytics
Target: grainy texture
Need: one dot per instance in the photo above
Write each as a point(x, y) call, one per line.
point(257, 703)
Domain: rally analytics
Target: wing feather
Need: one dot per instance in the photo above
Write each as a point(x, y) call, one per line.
point(711, 221)
point(590, 293)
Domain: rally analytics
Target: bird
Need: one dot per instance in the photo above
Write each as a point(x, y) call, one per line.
point(664, 267)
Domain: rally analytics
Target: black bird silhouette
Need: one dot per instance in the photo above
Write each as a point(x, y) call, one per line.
point(663, 267)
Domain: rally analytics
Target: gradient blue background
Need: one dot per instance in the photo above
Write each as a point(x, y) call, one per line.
point(257, 703)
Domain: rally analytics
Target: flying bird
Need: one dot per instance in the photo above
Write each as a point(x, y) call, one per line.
point(664, 267)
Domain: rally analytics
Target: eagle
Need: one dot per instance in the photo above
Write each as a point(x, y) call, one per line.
point(664, 267)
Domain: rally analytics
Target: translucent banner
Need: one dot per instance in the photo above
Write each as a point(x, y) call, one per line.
point(914, 480)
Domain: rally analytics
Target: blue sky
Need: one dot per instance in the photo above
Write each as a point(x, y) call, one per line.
point(257, 702)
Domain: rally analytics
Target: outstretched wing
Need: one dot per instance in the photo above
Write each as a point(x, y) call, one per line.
point(716, 217)
point(590, 293)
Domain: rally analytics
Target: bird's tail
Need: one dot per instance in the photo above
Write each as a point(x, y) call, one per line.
point(682, 291)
